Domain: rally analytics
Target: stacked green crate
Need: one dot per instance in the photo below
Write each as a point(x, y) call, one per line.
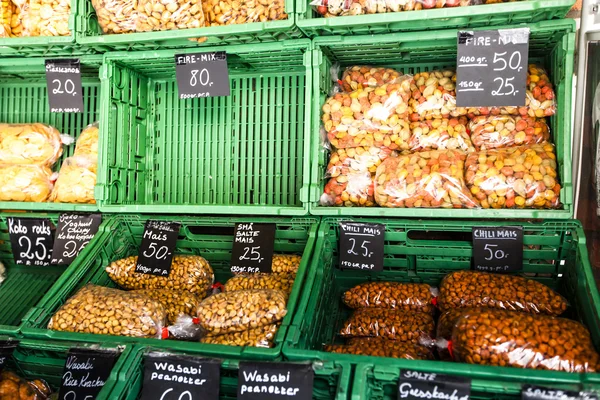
point(551, 44)
point(45, 360)
point(331, 379)
point(25, 286)
point(209, 237)
point(424, 252)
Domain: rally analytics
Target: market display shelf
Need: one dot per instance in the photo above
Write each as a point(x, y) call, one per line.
point(425, 251)
point(551, 44)
point(36, 359)
point(24, 99)
point(247, 153)
point(24, 286)
point(209, 237)
point(91, 36)
point(331, 380)
point(488, 15)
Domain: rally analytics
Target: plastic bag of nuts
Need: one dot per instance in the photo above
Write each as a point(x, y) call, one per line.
point(514, 177)
point(497, 131)
point(381, 347)
point(363, 76)
point(227, 12)
point(334, 8)
point(508, 338)
point(241, 310)
point(461, 289)
point(374, 116)
point(125, 16)
point(425, 179)
point(396, 295)
point(191, 273)
point(440, 134)
point(46, 18)
point(27, 144)
point(406, 326)
point(539, 98)
point(261, 336)
point(175, 302)
point(349, 190)
point(445, 325)
point(102, 310)
point(13, 387)
point(356, 159)
point(433, 95)
point(31, 183)
point(285, 263)
point(76, 181)
point(283, 282)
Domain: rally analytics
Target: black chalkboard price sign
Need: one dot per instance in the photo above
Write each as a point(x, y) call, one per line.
point(65, 93)
point(170, 377)
point(415, 385)
point(531, 392)
point(73, 233)
point(202, 75)
point(361, 246)
point(274, 381)
point(253, 246)
point(498, 249)
point(85, 373)
point(491, 67)
point(31, 240)
point(7, 347)
point(157, 248)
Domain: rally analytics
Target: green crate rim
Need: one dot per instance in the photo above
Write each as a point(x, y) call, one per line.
point(77, 272)
point(567, 25)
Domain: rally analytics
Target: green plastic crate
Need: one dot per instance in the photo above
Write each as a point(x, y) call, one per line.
point(551, 44)
point(417, 251)
point(380, 381)
point(24, 99)
point(90, 34)
point(24, 286)
point(35, 359)
point(332, 379)
point(520, 12)
point(44, 46)
point(247, 153)
point(209, 237)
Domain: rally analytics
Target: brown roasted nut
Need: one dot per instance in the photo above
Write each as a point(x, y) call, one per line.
point(514, 177)
point(466, 288)
point(25, 182)
point(362, 76)
point(175, 302)
point(46, 18)
point(125, 16)
point(539, 98)
point(261, 336)
point(106, 311)
point(508, 338)
point(374, 116)
point(76, 181)
point(434, 95)
point(285, 263)
point(241, 310)
point(440, 134)
point(497, 131)
point(191, 273)
point(227, 12)
point(401, 296)
point(13, 387)
point(380, 347)
point(406, 326)
point(354, 189)
point(283, 282)
point(26, 144)
point(428, 179)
